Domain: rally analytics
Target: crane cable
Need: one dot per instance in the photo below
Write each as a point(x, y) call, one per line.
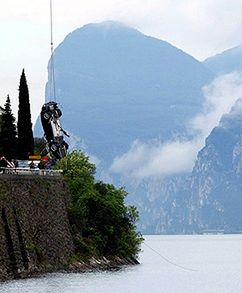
point(169, 261)
point(52, 91)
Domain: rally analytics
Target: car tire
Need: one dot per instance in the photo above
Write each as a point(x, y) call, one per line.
point(46, 116)
point(53, 147)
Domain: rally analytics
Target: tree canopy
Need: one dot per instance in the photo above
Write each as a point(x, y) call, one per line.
point(102, 224)
point(8, 132)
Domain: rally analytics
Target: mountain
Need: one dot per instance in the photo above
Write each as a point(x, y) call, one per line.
point(216, 181)
point(225, 62)
point(117, 85)
point(210, 198)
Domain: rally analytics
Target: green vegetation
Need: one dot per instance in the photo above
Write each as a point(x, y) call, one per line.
point(25, 133)
point(102, 224)
point(18, 142)
point(8, 133)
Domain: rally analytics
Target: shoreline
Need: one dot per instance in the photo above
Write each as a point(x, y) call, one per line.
point(80, 266)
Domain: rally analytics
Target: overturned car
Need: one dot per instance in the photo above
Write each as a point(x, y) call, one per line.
point(50, 119)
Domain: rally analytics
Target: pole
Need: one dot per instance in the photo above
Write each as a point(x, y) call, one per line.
point(52, 67)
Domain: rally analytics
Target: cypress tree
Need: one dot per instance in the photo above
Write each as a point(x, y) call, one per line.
point(8, 134)
point(25, 133)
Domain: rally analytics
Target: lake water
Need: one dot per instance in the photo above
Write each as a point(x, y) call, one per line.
point(169, 264)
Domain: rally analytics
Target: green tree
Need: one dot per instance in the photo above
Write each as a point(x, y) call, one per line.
point(8, 134)
point(102, 224)
point(25, 133)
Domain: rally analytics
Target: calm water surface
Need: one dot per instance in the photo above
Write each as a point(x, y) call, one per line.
point(169, 264)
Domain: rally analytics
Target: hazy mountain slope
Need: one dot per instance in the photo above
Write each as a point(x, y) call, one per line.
point(116, 84)
point(226, 62)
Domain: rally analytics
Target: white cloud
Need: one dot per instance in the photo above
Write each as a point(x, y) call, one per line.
point(220, 96)
point(201, 28)
point(156, 159)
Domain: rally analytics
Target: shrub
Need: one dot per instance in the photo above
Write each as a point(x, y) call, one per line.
point(102, 224)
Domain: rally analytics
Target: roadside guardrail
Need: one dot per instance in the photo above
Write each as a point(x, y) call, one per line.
point(28, 171)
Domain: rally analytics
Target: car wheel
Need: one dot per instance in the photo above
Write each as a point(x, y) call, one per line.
point(46, 116)
point(53, 148)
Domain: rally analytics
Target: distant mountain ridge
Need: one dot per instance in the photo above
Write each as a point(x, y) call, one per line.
point(117, 85)
point(225, 62)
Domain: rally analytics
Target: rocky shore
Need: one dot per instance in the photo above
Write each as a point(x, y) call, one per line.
point(80, 266)
point(101, 264)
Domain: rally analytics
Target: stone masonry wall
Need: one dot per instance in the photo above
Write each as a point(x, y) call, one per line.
point(34, 228)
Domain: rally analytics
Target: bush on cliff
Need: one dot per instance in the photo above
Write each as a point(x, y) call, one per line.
point(102, 224)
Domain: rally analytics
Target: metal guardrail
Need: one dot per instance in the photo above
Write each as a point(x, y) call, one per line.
point(28, 171)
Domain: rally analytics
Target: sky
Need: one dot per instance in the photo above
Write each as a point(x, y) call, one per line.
point(201, 28)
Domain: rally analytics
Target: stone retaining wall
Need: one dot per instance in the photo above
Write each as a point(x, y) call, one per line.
point(34, 228)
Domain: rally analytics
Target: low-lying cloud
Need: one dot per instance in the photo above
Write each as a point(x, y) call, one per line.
point(219, 96)
point(154, 158)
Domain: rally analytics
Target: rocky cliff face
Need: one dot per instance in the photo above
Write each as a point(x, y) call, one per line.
point(162, 204)
point(34, 228)
point(208, 199)
point(216, 185)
